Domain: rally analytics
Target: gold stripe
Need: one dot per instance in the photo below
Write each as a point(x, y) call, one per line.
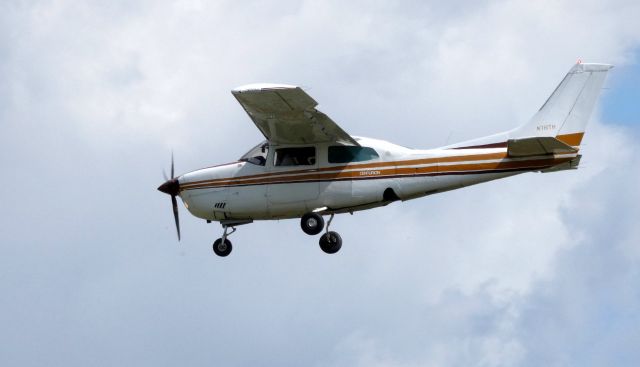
point(571, 139)
point(382, 165)
point(389, 172)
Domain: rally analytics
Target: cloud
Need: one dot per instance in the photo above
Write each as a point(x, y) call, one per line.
point(535, 269)
point(585, 314)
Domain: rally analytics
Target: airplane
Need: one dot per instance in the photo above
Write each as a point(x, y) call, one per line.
point(308, 167)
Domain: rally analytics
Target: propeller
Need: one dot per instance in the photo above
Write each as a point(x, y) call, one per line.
point(172, 187)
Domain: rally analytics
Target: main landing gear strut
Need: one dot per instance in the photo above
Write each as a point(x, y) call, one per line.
point(313, 223)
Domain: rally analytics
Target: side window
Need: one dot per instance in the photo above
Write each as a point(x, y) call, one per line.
point(346, 154)
point(305, 156)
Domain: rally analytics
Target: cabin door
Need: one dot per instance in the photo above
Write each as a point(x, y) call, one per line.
point(293, 176)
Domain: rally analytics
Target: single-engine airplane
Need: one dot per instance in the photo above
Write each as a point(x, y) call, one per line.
point(308, 167)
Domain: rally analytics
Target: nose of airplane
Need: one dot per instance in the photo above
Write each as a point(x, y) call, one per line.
point(171, 187)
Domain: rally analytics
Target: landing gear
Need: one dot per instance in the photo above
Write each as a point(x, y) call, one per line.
point(330, 242)
point(312, 223)
point(222, 248)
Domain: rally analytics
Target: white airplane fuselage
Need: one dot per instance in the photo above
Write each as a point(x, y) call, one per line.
point(243, 190)
point(309, 167)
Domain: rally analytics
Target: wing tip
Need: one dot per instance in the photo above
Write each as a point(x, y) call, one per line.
point(582, 67)
point(257, 87)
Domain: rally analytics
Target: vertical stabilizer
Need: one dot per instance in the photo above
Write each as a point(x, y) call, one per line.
point(566, 112)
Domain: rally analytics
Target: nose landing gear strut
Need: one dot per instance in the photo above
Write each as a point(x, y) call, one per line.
point(222, 246)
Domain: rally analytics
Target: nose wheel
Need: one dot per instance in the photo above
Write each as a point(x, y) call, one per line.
point(221, 247)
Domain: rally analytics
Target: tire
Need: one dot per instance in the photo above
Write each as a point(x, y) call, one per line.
point(312, 223)
point(330, 242)
point(221, 249)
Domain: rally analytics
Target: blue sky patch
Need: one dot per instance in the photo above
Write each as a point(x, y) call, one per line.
point(621, 102)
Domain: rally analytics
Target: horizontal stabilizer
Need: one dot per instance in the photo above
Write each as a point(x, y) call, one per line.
point(572, 164)
point(538, 145)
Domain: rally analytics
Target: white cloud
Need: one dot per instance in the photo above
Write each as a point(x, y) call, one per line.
point(535, 269)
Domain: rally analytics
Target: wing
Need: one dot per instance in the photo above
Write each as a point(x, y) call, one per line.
point(285, 114)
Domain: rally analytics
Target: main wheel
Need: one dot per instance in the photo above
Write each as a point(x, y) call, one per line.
point(312, 223)
point(330, 242)
point(222, 248)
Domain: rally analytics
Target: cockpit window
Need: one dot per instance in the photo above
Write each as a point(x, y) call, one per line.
point(347, 153)
point(303, 156)
point(257, 155)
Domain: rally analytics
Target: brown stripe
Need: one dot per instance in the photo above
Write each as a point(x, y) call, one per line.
point(382, 165)
point(388, 173)
point(390, 169)
point(503, 165)
point(456, 173)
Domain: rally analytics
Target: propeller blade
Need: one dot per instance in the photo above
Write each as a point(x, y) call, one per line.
point(172, 176)
point(171, 187)
point(174, 202)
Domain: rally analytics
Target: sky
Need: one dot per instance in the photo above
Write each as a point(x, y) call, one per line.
point(537, 269)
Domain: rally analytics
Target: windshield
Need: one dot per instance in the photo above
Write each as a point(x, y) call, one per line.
point(257, 155)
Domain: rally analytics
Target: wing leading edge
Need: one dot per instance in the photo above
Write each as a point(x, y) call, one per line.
point(285, 114)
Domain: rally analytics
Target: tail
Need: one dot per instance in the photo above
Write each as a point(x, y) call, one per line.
point(566, 112)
